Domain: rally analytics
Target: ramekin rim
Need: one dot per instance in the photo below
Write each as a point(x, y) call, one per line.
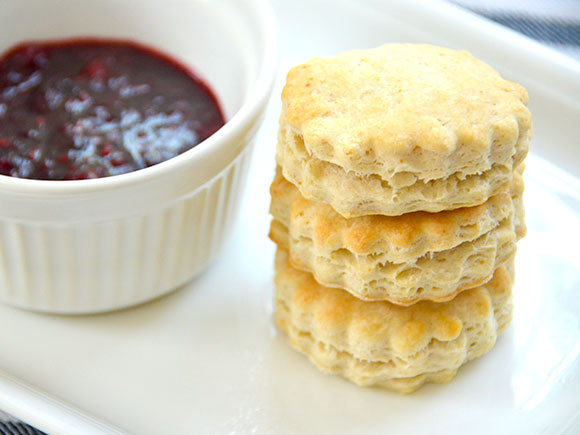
point(256, 100)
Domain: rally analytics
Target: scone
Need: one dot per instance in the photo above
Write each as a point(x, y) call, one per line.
point(401, 259)
point(378, 343)
point(400, 128)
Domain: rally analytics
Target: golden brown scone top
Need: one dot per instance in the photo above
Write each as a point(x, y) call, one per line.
point(403, 237)
point(426, 110)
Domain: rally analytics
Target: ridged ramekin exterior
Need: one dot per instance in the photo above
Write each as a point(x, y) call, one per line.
point(99, 266)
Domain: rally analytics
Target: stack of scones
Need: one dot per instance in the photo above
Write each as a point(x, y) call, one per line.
point(397, 205)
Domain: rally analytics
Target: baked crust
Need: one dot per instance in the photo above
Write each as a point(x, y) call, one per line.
point(401, 128)
point(354, 195)
point(402, 259)
point(382, 344)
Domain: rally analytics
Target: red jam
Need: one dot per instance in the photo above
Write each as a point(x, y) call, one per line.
point(87, 109)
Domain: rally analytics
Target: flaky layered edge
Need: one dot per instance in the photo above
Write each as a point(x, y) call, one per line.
point(380, 344)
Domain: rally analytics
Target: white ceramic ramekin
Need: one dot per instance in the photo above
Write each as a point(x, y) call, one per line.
point(96, 245)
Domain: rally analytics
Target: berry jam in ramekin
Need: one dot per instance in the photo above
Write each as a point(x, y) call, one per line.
point(81, 109)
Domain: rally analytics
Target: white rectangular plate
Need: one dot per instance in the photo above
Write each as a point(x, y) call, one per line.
point(208, 359)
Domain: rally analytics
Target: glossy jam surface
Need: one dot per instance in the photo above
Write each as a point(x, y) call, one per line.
point(88, 109)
